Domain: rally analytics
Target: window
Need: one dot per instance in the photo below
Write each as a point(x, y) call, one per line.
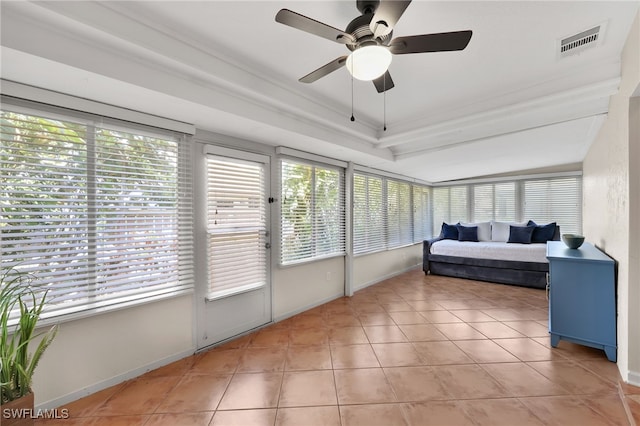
point(543, 200)
point(399, 214)
point(236, 226)
point(369, 224)
point(494, 201)
point(388, 213)
point(555, 200)
point(312, 212)
point(421, 213)
point(99, 212)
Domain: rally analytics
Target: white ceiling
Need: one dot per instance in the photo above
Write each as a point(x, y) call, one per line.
point(505, 103)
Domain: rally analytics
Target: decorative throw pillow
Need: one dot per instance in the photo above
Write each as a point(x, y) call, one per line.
point(542, 233)
point(500, 230)
point(520, 234)
point(449, 232)
point(484, 230)
point(467, 233)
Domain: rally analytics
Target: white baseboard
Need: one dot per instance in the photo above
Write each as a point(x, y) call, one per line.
point(386, 277)
point(633, 378)
point(70, 397)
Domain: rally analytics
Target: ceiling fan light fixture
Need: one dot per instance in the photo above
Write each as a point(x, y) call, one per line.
point(369, 62)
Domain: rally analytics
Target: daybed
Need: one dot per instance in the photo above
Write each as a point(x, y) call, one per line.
point(500, 252)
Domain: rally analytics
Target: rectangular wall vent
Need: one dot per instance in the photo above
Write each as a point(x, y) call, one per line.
point(578, 43)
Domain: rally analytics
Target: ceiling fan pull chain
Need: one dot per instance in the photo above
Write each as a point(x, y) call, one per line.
point(352, 117)
point(384, 103)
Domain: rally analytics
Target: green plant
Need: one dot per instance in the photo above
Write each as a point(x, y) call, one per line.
point(20, 300)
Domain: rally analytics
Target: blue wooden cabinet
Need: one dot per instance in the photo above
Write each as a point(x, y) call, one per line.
point(582, 297)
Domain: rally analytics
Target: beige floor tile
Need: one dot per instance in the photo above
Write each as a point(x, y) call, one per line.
point(308, 321)
point(178, 368)
point(138, 396)
point(195, 392)
point(217, 361)
point(353, 356)
point(363, 386)
point(410, 317)
point(308, 358)
point(375, 318)
point(415, 384)
point(609, 406)
point(252, 390)
point(495, 330)
point(347, 336)
point(396, 354)
point(182, 419)
point(270, 336)
point(436, 413)
point(572, 377)
point(441, 353)
point(320, 416)
point(499, 412)
point(468, 381)
point(398, 306)
point(372, 415)
point(343, 320)
point(526, 349)
point(460, 331)
point(308, 336)
point(384, 334)
point(438, 317)
point(425, 305)
point(563, 411)
point(264, 417)
point(529, 328)
point(267, 359)
point(86, 406)
point(422, 332)
point(307, 388)
point(484, 351)
point(519, 379)
point(472, 315)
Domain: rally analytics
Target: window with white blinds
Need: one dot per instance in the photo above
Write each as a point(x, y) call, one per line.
point(312, 221)
point(388, 213)
point(421, 213)
point(555, 200)
point(99, 214)
point(399, 214)
point(543, 200)
point(369, 224)
point(494, 201)
point(236, 226)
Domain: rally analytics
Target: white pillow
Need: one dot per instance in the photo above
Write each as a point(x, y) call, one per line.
point(500, 230)
point(484, 230)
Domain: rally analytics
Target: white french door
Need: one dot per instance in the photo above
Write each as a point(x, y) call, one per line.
point(234, 293)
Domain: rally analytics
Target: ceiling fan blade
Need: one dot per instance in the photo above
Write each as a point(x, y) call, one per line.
point(386, 16)
point(301, 22)
point(384, 82)
point(440, 42)
point(324, 70)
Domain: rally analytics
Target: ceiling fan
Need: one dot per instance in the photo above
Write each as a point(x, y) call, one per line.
point(369, 38)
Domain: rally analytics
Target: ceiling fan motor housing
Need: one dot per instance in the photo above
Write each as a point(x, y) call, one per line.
point(360, 29)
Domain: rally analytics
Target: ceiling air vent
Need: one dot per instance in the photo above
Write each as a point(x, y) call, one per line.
point(580, 42)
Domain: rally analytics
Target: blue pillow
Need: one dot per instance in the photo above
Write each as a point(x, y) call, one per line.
point(542, 233)
point(449, 232)
point(521, 234)
point(467, 233)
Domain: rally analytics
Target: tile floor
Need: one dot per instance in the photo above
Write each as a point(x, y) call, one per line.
point(412, 350)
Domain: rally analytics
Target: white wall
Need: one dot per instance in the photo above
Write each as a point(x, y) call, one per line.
point(372, 268)
point(99, 351)
point(610, 202)
point(298, 288)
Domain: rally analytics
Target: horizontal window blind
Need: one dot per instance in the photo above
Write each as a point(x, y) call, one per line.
point(555, 200)
point(99, 215)
point(543, 200)
point(369, 224)
point(399, 214)
point(312, 223)
point(236, 225)
point(421, 213)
